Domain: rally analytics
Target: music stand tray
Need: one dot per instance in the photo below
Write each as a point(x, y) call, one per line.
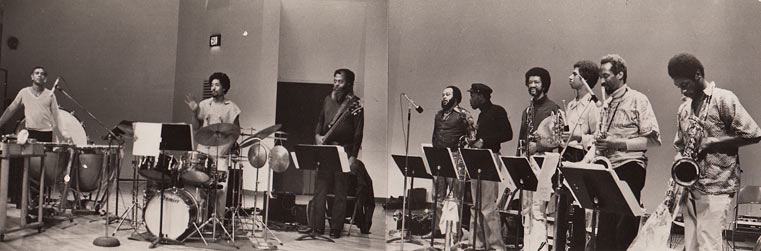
point(439, 162)
point(313, 157)
point(481, 160)
point(519, 169)
point(320, 157)
point(594, 183)
point(415, 166)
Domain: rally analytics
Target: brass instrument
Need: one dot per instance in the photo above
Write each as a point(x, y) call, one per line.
point(685, 171)
point(523, 143)
point(602, 133)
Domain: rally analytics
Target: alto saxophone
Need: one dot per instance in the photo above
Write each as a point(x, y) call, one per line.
point(523, 143)
point(602, 133)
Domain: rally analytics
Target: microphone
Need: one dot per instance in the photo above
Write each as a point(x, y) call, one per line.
point(586, 86)
point(418, 108)
point(55, 86)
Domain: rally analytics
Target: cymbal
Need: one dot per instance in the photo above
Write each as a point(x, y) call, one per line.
point(248, 142)
point(217, 134)
point(261, 134)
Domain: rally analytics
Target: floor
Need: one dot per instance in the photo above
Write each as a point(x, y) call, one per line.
point(82, 230)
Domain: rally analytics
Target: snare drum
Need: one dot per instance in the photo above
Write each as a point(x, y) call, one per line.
point(158, 169)
point(180, 212)
point(196, 168)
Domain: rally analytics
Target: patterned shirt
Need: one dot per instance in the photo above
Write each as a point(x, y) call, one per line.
point(631, 116)
point(449, 127)
point(584, 121)
point(720, 170)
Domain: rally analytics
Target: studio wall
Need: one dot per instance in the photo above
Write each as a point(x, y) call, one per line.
point(117, 57)
point(433, 44)
point(248, 55)
point(317, 37)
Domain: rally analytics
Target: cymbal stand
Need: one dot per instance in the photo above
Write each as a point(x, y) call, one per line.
point(134, 206)
point(214, 219)
point(238, 202)
point(264, 243)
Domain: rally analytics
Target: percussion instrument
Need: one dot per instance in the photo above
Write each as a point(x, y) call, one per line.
point(68, 124)
point(180, 212)
point(196, 167)
point(264, 133)
point(158, 168)
point(90, 165)
point(217, 134)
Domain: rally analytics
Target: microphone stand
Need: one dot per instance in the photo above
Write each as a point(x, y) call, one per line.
point(404, 187)
point(559, 178)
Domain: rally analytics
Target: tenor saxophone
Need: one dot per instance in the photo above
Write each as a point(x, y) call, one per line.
point(685, 171)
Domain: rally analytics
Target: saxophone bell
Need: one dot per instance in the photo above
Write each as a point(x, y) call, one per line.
point(685, 172)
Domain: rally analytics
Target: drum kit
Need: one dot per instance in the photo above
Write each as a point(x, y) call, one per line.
point(180, 195)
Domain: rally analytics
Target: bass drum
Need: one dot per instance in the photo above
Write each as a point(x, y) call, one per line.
point(56, 159)
point(69, 124)
point(180, 212)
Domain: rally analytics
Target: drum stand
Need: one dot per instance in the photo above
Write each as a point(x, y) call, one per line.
point(214, 220)
point(132, 208)
point(264, 243)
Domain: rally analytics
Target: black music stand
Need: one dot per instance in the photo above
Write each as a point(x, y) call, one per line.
point(524, 178)
point(480, 162)
point(320, 157)
point(440, 163)
point(598, 188)
point(174, 137)
point(415, 168)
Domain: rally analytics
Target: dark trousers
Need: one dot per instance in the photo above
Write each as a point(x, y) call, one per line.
point(365, 198)
point(326, 180)
point(616, 230)
point(568, 213)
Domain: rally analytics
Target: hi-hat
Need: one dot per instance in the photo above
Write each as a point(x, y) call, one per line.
point(217, 134)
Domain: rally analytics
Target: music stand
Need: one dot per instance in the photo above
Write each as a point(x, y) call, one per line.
point(598, 188)
point(480, 162)
point(320, 157)
point(415, 168)
point(172, 137)
point(439, 163)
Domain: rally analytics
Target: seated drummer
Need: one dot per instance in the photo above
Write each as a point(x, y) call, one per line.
point(40, 109)
point(214, 110)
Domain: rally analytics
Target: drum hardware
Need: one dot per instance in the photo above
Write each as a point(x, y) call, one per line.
point(215, 135)
point(260, 135)
point(255, 159)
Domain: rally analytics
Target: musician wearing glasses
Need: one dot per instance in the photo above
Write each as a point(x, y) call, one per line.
point(712, 124)
point(214, 110)
point(583, 117)
point(627, 127)
point(340, 122)
point(453, 127)
point(535, 138)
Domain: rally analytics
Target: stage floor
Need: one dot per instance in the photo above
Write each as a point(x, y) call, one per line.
point(80, 233)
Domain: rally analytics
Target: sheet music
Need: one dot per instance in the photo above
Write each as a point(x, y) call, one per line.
point(425, 163)
point(295, 160)
point(549, 166)
point(147, 139)
point(345, 167)
point(454, 164)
